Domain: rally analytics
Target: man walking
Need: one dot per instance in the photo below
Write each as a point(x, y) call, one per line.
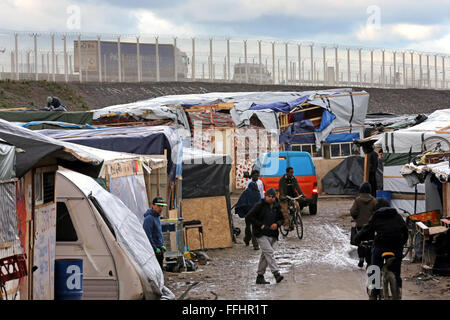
point(152, 227)
point(255, 178)
point(288, 186)
point(265, 218)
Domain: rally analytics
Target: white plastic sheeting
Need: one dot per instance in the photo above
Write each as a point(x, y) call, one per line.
point(7, 161)
point(441, 170)
point(341, 106)
point(404, 140)
point(129, 233)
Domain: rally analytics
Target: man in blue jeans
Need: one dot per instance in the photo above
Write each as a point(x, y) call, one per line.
point(389, 233)
point(265, 218)
point(153, 230)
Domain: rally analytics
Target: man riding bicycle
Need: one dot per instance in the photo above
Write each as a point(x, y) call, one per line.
point(389, 233)
point(288, 186)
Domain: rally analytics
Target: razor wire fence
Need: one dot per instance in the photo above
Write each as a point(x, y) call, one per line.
point(138, 58)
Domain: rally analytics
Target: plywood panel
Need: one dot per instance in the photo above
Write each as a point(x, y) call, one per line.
point(323, 166)
point(213, 214)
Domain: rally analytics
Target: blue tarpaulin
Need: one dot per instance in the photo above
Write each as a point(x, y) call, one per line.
point(327, 119)
point(342, 137)
point(284, 107)
point(289, 135)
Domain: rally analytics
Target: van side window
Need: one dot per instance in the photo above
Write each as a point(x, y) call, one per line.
point(65, 231)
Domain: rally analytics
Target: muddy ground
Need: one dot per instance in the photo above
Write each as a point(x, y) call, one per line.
point(93, 95)
point(323, 265)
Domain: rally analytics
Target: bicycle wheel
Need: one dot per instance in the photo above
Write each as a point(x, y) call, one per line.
point(409, 244)
point(298, 225)
point(283, 231)
point(436, 144)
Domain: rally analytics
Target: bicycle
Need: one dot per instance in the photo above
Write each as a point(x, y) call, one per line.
point(295, 218)
point(389, 289)
point(409, 246)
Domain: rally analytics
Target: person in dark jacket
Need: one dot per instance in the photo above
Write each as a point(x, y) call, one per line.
point(54, 104)
point(153, 230)
point(389, 233)
point(247, 200)
point(265, 218)
point(288, 186)
point(361, 211)
point(373, 167)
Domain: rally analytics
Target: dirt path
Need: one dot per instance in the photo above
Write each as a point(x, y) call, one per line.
point(323, 265)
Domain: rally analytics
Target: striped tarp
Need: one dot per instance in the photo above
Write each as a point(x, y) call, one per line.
point(8, 219)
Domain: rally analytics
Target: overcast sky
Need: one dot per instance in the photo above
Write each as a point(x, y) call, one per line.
point(414, 24)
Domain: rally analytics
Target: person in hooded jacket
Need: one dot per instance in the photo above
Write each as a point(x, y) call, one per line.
point(247, 200)
point(361, 211)
point(389, 233)
point(266, 218)
point(153, 229)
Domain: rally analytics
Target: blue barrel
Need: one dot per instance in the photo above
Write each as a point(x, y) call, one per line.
point(385, 195)
point(68, 279)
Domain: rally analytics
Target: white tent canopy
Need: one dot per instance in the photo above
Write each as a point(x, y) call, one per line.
point(129, 232)
point(404, 140)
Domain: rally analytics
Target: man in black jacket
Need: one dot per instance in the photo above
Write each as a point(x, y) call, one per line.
point(389, 233)
point(265, 218)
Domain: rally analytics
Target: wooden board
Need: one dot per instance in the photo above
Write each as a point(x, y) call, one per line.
point(213, 214)
point(323, 166)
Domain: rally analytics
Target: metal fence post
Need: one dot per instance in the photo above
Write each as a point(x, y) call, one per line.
point(336, 61)
point(79, 59)
point(245, 61)
point(286, 45)
point(324, 52)
point(443, 73)
point(99, 59)
point(16, 44)
point(260, 61)
point(435, 72)
point(210, 58)
point(428, 71)
point(158, 75)
point(420, 71)
point(119, 60)
point(371, 68)
point(53, 57)
point(65, 59)
point(299, 64)
point(273, 62)
point(312, 64)
point(48, 66)
point(193, 60)
point(395, 69)
point(175, 64)
point(36, 77)
point(228, 60)
point(360, 67)
point(43, 64)
point(349, 75)
point(412, 69)
point(383, 70)
point(405, 81)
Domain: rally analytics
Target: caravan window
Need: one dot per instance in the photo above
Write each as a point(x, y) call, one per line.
point(310, 148)
point(65, 231)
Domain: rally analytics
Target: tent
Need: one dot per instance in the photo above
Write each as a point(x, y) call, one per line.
point(347, 177)
point(398, 149)
point(136, 140)
point(32, 147)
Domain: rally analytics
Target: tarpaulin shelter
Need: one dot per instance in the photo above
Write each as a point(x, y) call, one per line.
point(399, 147)
point(347, 177)
point(21, 115)
point(137, 140)
point(32, 147)
point(206, 196)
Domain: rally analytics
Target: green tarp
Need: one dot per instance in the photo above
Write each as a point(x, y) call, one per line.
point(397, 159)
point(63, 116)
